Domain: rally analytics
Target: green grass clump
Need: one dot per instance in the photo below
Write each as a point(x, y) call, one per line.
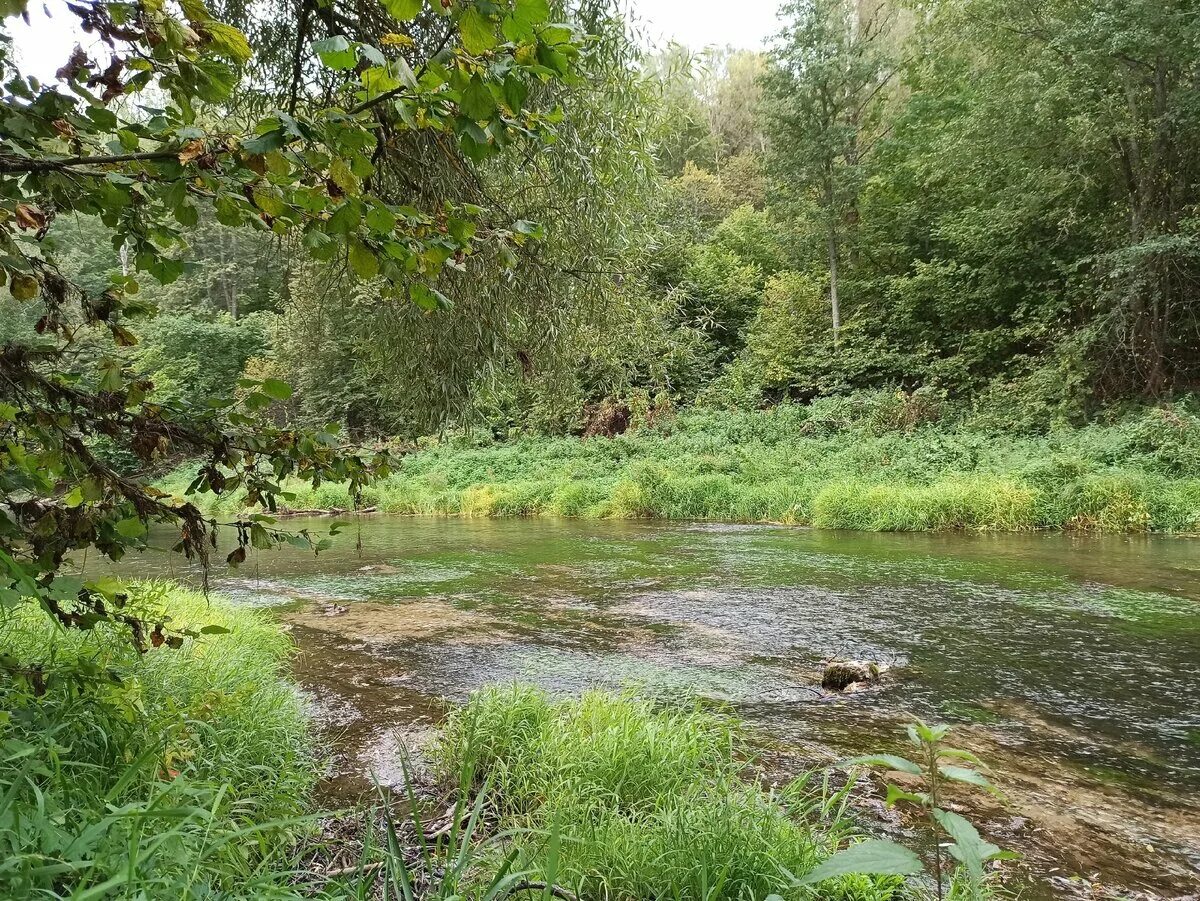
point(641, 802)
point(178, 772)
point(837, 463)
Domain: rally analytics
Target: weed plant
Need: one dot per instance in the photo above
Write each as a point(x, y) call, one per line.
point(643, 802)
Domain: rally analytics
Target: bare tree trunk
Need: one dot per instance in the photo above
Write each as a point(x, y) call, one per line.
point(835, 309)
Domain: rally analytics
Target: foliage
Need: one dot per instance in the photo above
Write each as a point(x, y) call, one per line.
point(514, 334)
point(187, 773)
point(639, 801)
point(146, 138)
point(874, 461)
point(940, 765)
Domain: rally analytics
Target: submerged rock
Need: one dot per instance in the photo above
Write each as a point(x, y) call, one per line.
point(841, 675)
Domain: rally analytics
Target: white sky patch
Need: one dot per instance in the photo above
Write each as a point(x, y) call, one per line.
point(741, 24)
point(44, 45)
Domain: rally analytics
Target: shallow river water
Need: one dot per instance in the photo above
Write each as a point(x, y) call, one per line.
point(1072, 665)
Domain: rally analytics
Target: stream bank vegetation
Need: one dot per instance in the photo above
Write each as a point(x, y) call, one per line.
point(178, 772)
point(272, 238)
point(864, 462)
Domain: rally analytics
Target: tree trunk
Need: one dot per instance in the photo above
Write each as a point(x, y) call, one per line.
point(835, 309)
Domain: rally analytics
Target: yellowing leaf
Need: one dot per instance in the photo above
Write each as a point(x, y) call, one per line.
point(477, 32)
point(228, 42)
point(362, 260)
point(404, 10)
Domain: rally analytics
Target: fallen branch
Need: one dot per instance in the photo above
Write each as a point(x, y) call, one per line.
point(332, 511)
point(352, 869)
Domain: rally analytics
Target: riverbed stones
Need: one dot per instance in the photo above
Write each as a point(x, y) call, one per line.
point(842, 675)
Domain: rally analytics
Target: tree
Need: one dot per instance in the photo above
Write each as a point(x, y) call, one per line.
point(147, 137)
point(821, 99)
point(1121, 80)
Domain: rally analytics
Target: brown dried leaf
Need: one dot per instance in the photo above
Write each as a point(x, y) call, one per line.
point(192, 151)
point(30, 217)
point(73, 66)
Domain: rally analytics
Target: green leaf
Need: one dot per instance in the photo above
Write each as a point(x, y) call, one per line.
point(362, 260)
point(403, 10)
point(896, 793)
point(214, 629)
point(960, 754)
point(964, 774)
point(187, 215)
point(336, 52)
point(477, 100)
point(971, 850)
point(477, 31)
point(520, 25)
point(277, 389)
point(260, 537)
point(381, 220)
point(532, 229)
point(875, 856)
point(428, 298)
point(891, 761)
point(110, 375)
point(130, 528)
point(271, 140)
point(515, 93)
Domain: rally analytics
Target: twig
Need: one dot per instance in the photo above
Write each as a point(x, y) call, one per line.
point(353, 868)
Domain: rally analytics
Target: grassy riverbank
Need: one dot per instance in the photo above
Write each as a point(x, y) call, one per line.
point(175, 773)
point(875, 462)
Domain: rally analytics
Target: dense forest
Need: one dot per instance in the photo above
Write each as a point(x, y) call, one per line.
point(989, 203)
point(917, 265)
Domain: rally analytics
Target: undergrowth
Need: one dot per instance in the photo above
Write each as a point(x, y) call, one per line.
point(175, 773)
point(860, 463)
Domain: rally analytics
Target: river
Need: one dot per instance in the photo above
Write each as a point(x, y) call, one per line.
point(1070, 664)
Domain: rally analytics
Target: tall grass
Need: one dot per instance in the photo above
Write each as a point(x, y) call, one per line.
point(836, 464)
point(180, 772)
point(641, 802)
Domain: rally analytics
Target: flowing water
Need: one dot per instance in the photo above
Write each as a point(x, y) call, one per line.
point(1072, 665)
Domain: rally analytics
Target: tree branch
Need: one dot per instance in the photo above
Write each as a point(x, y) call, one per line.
point(11, 164)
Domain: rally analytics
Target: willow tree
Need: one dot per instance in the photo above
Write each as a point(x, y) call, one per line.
point(516, 313)
point(175, 114)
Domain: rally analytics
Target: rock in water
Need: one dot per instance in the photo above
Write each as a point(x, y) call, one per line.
point(841, 674)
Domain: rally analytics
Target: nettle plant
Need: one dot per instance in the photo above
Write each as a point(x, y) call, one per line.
point(937, 764)
point(169, 113)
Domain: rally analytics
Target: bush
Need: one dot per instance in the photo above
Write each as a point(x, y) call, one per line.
point(881, 460)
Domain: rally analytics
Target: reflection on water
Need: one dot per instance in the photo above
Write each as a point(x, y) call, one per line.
point(1071, 663)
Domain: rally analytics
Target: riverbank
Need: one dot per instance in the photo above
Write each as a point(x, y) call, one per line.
point(187, 770)
point(179, 772)
point(856, 463)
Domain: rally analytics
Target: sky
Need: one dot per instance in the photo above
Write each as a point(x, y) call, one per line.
point(743, 24)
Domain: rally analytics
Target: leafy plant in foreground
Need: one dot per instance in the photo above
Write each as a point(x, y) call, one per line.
point(967, 846)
